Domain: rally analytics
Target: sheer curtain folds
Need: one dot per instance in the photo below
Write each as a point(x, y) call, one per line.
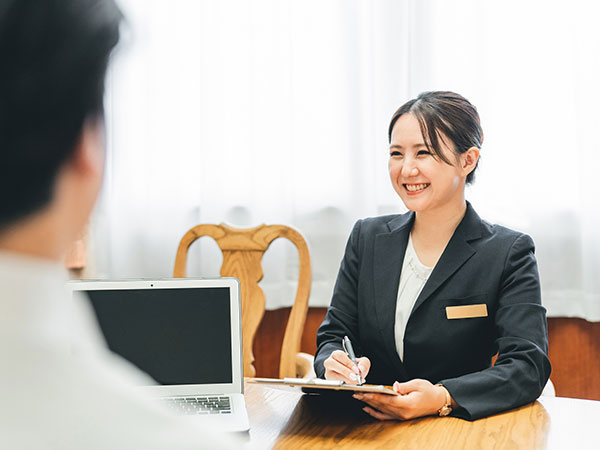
point(276, 112)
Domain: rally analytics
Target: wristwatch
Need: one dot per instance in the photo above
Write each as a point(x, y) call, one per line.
point(447, 408)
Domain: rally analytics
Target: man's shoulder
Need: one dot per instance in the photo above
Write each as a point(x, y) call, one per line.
point(52, 397)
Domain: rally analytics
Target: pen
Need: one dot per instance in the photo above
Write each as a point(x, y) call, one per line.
point(347, 346)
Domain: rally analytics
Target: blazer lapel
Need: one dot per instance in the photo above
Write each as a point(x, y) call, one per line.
point(388, 258)
point(457, 252)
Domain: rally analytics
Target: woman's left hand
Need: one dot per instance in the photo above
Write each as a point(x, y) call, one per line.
point(417, 398)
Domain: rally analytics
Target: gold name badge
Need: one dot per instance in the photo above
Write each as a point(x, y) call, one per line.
point(466, 312)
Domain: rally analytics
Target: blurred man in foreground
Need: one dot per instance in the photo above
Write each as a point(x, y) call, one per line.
point(59, 386)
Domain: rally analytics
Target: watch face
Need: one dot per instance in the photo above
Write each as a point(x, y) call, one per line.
point(446, 410)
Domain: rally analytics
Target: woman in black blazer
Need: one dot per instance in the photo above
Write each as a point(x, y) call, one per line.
point(429, 297)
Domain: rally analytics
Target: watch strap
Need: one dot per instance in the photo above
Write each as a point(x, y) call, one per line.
point(447, 408)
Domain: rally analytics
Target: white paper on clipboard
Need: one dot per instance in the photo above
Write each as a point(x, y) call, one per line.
point(317, 383)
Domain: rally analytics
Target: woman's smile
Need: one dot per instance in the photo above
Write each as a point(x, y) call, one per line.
point(413, 189)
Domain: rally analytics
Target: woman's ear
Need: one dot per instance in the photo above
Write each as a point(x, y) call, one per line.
point(469, 160)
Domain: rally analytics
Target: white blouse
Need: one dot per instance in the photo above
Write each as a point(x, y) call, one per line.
point(412, 280)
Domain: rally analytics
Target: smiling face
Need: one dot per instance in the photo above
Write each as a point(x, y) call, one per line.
point(423, 182)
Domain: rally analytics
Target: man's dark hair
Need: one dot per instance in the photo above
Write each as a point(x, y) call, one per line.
point(447, 113)
point(53, 59)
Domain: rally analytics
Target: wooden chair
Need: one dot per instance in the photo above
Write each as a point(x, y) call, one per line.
point(243, 249)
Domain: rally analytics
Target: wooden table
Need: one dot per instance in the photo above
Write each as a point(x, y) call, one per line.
point(284, 418)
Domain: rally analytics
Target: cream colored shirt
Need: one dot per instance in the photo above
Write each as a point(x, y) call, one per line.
point(412, 280)
point(60, 388)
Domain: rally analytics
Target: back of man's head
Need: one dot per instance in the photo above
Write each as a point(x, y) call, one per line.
point(53, 58)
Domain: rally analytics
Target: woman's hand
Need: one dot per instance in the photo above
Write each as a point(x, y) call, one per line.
point(417, 398)
point(340, 367)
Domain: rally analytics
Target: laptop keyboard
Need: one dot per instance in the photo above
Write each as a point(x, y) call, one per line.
point(199, 405)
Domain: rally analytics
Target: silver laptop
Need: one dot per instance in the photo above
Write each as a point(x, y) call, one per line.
point(186, 334)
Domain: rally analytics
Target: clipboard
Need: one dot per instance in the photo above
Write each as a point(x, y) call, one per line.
point(314, 385)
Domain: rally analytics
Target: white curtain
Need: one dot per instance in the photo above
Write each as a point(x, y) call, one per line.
point(276, 111)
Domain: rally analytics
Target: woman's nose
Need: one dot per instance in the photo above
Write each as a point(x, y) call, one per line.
point(409, 169)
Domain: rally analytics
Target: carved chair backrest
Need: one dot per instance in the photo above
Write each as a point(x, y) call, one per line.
point(243, 249)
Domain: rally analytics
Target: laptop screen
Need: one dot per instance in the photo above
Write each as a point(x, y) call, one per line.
point(177, 336)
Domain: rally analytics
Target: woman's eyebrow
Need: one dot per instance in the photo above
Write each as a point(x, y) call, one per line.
point(398, 146)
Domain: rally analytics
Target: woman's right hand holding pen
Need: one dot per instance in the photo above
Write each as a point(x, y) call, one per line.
point(340, 367)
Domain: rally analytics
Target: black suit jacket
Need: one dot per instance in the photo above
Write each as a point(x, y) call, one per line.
point(482, 264)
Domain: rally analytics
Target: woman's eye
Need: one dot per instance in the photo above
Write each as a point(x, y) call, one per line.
point(423, 152)
point(395, 153)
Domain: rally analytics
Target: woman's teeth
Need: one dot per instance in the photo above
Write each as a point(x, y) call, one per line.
point(416, 187)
